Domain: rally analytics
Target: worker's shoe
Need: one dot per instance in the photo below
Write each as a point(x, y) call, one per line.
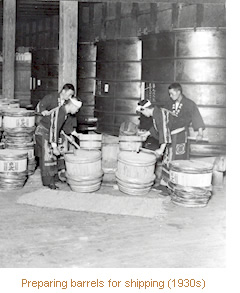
point(162, 189)
point(53, 186)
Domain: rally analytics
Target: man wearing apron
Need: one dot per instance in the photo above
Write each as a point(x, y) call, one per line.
point(158, 135)
point(47, 104)
point(186, 114)
point(47, 139)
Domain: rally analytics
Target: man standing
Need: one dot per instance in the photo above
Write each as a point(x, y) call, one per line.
point(54, 100)
point(47, 137)
point(186, 113)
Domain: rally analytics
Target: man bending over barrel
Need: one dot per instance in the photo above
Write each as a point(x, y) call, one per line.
point(48, 104)
point(183, 113)
point(47, 137)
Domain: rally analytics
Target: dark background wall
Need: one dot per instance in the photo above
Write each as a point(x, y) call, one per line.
point(101, 21)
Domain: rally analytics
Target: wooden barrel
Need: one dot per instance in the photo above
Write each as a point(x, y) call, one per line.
point(10, 103)
point(130, 142)
point(84, 170)
point(19, 138)
point(90, 141)
point(18, 120)
point(135, 172)
point(13, 169)
point(110, 151)
point(28, 147)
point(190, 182)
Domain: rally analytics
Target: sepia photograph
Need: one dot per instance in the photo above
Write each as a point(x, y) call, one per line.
point(113, 135)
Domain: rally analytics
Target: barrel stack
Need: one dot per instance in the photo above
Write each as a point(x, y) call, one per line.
point(6, 104)
point(190, 183)
point(13, 169)
point(18, 126)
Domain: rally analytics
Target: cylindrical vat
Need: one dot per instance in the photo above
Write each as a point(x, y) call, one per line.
point(13, 169)
point(18, 120)
point(84, 170)
point(86, 75)
point(190, 182)
point(118, 83)
point(90, 141)
point(44, 80)
point(110, 151)
point(130, 142)
point(135, 172)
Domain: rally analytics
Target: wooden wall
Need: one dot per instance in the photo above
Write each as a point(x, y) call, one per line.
point(41, 33)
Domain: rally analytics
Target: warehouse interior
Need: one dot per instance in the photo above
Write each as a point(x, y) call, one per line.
point(116, 54)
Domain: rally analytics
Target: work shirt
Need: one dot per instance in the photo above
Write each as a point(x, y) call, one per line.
point(160, 129)
point(51, 101)
point(54, 123)
point(187, 114)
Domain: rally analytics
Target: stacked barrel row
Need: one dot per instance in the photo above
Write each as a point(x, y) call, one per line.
point(118, 161)
point(17, 160)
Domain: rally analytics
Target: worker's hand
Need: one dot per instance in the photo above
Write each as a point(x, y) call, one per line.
point(74, 133)
point(56, 151)
point(61, 149)
point(199, 137)
point(45, 113)
point(145, 135)
point(158, 153)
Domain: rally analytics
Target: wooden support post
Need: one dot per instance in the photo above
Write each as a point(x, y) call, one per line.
point(68, 37)
point(9, 30)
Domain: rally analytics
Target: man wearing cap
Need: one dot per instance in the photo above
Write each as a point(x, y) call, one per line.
point(47, 138)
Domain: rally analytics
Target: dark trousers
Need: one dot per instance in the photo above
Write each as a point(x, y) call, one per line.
point(47, 161)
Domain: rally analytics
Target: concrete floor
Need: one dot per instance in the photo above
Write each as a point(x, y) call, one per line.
point(33, 237)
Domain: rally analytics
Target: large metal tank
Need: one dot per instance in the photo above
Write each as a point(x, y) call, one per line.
point(118, 83)
point(86, 74)
point(44, 80)
point(197, 60)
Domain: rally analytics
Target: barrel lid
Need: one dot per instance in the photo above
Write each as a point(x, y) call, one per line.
point(82, 155)
point(190, 166)
point(18, 112)
point(139, 158)
point(9, 153)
